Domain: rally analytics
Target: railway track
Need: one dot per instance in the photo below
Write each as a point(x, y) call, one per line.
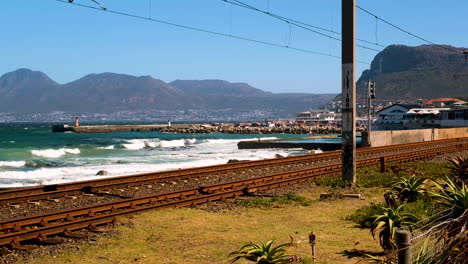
point(42, 227)
point(32, 194)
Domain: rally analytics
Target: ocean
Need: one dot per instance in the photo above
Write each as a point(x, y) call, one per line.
point(30, 154)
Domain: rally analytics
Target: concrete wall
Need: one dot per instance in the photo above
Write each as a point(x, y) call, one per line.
point(385, 138)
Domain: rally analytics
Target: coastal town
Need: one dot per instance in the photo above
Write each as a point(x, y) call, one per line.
point(433, 113)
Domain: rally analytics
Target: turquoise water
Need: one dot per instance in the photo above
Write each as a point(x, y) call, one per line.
point(30, 154)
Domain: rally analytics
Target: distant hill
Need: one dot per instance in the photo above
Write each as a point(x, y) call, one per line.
point(26, 91)
point(24, 87)
point(110, 92)
point(409, 73)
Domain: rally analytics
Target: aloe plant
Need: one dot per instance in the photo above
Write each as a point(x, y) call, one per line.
point(387, 223)
point(452, 195)
point(391, 198)
point(459, 168)
point(262, 253)
point(408, 189)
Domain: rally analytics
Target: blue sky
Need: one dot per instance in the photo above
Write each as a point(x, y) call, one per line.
point(68, 42)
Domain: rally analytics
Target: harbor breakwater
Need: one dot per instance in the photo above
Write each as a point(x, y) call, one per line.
point(199, 129)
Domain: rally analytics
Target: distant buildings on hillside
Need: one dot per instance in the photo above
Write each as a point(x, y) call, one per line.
point(434, 113)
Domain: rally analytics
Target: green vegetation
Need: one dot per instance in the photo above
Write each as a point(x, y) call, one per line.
point(275, 201)
point(332, 182)
point(372, 177)
point(388, 222)
point(459, 169)
point(423, 207)
point(411, 198)
point(453, 196)
point(409, 189)
point(197, 236)
point(262, 253)
point(363, 216)
point(200, 236)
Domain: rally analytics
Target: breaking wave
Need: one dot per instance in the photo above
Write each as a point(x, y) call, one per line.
point(12, 164)
point(136, 144)
point(54, 153)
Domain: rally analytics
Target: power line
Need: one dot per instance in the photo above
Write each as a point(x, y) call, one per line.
point(203, 30)
point(299, 24)
point(405, 31)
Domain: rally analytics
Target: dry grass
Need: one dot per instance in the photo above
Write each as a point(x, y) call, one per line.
point(196, 236)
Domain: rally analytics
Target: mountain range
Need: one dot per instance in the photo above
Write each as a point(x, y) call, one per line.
point(24, 91)
point(401, 73)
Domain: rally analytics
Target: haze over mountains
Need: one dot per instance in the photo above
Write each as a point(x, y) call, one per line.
point(25, 90)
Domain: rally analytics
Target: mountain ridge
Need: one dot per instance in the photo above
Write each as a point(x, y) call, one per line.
point(427, 71)
point(112, 92)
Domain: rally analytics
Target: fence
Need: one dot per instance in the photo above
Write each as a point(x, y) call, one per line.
point(439, 239)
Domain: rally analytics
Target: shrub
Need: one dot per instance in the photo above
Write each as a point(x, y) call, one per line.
point(452, 195)
point(409, 189)
point(388, 222)
point(365, 215)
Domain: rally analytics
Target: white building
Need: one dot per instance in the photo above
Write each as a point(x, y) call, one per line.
point(423, 117)
point(454, 118)
point(393, 115)
point(401, 116)
point(318, 116)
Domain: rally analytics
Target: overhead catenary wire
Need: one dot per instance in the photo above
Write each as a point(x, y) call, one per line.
point(300, 24)
point(203, 30)
point(405, 31)
point(296, 21)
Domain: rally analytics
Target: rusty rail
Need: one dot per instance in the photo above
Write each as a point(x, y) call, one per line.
point(39, 227)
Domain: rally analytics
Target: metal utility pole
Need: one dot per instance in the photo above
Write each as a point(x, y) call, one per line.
point(348, 55)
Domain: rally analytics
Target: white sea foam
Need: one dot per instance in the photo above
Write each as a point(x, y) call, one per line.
point(137, 144)
point(108, 147)
point(175, 143)
point(15, 164)
point(45, 176)
point(54, 153)
point(134, 144)
point(165, 155)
